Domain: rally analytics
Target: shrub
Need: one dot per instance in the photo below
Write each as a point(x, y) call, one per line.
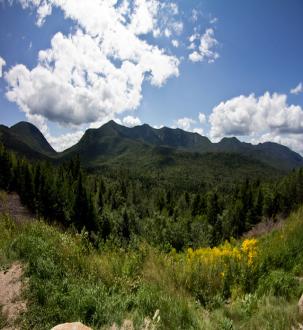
point(278, 283)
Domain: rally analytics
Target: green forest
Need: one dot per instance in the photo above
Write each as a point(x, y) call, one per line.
point(114, 207)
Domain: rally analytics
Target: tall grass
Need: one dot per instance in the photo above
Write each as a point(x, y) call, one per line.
point(233, 286)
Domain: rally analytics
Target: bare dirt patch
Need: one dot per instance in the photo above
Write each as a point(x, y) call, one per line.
point(10, 203)
point(264, 227)
point(11, 286)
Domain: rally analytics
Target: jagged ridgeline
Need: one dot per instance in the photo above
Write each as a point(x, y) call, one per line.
point(170, 156)
point(123, 208)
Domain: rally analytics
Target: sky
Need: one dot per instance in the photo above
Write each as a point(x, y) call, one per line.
point(215, 67)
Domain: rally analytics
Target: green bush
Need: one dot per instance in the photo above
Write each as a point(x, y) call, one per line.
point(278, 283)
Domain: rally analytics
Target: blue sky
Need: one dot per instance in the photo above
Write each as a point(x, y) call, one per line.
point(243, 79)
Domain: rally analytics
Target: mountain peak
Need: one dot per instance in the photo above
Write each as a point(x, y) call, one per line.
point(111, 123)
point(31, 135)
point(24, 124)
point(232, 139)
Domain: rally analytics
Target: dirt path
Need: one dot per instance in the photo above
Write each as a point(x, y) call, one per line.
point(11, 204)
point(264, 227)
point(10, 295)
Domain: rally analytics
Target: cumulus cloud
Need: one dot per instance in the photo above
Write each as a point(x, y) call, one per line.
point(184, 123)
point(205, 48)
point(267, 117)
point(131, 121)
point(175, 43)
point(297, 90)
point(98, 70)
point(187, 124)
point(64, 141)
point(198, 130)
point(202, 118)
point(2, 64)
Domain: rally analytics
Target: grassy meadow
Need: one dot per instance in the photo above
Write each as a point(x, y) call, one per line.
point(244, 284)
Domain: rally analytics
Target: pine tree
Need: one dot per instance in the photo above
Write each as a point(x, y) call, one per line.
point(81, 205)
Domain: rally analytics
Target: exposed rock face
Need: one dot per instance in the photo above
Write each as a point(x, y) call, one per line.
point(71, 326)
point(300, 305)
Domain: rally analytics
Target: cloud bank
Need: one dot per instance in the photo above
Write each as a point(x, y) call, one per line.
point(98, 70)
point(268, 117)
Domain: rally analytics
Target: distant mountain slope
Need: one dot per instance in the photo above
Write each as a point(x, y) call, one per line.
point(149, 148)
point(175, 138)
point(112, 140)
point(15, 143)
point(30, 134)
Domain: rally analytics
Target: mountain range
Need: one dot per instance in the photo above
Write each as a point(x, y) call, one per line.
point(148, 149)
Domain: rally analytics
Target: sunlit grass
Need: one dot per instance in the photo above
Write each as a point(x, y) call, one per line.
point(249, 284)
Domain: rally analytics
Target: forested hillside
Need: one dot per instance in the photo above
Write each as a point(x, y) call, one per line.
point(166, 150)
point(117, 207)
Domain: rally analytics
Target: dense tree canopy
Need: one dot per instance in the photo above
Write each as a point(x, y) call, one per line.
point(120, 208)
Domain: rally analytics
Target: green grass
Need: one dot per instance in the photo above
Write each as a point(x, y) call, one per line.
point(69, 280)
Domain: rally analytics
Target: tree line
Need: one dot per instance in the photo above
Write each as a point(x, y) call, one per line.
point(122, 209)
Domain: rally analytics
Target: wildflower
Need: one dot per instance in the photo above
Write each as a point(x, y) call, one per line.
point(249, 248)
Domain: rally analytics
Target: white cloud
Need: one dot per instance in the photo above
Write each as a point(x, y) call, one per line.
point(158, 126)
point(191, 46)
point(175, 43)
point(198, 130)
point(167, 32)
point(143, 16)
point(98, 70)
point(64, 141)
point(268, 117)
point(2, 64)
point(205, 49)
point(202, 118)
point(167, 20)
point(195, 57)
point(297, 90)
point(213, 20)
point(187, 124)
point(184, 123)
point(44, 10)
point(177, 27)
point(131, 121)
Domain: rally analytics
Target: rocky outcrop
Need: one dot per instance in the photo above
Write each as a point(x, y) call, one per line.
point(71, 326)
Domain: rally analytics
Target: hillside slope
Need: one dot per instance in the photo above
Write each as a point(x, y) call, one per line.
point(113, 142)
point(17, 144)
point(143, 147)
point(249, 284)
point(31, 135)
